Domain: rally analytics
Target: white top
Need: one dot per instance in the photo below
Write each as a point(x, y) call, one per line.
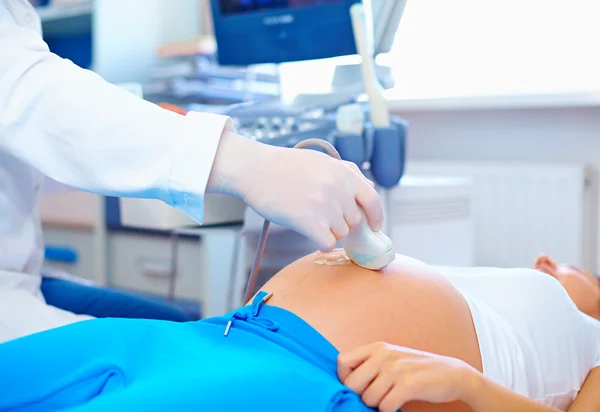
point(532, 337)
point(69, 124)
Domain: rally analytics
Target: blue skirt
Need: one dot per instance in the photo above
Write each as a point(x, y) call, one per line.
point(258, 358)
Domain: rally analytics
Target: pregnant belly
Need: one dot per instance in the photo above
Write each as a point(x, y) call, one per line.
point(407, 304)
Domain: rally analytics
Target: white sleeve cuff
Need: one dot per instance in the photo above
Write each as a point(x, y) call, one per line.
point(193, 161)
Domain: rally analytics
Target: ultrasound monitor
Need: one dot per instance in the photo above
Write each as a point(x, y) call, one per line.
point(238, 6)
point(386, 19)
point(277, 31)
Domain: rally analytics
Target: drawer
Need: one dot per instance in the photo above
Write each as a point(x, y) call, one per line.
point(142, 263)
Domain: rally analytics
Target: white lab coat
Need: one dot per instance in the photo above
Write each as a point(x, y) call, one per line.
point(69, 124)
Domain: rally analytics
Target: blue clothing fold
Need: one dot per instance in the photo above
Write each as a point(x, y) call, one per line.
point(270, 360)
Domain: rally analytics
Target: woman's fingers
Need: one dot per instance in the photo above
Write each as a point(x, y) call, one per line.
point(377, 390)
point(361, 377)
point(350, 360)
point(394, 399)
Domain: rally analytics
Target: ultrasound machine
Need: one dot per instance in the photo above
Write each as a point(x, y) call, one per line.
point(250, 32)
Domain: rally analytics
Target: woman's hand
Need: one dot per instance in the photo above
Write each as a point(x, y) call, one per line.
point(387, 376)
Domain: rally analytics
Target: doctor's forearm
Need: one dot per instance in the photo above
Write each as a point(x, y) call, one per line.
point(232, 170)
point(79, 130)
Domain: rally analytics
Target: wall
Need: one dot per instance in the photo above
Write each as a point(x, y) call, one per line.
point(512, 135)
point(490, 47)
point(126, 34)
point(551, 134)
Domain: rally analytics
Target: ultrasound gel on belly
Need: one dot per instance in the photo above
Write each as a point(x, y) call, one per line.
point(336, 257)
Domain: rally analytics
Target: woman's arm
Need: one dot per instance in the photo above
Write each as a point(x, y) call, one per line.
point(388, 377)
point(484, 395)
point(588, 398)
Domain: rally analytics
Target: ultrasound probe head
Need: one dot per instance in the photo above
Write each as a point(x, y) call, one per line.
point(365, 247)
point(368, 249)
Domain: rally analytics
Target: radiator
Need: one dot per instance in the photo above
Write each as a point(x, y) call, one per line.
point(522, 210)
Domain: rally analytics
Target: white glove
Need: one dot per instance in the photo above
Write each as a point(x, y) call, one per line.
point(304, 190)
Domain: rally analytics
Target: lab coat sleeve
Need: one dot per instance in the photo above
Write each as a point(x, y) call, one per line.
point(84, 132)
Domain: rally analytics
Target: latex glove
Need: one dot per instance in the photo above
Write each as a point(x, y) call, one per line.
point(304, 190)
point(388, 376)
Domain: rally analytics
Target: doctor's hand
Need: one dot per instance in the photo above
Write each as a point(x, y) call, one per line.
point(304, 190)
point(387, 376)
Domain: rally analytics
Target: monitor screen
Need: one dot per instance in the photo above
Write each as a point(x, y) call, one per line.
point(242, 6)
point(277, 31)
